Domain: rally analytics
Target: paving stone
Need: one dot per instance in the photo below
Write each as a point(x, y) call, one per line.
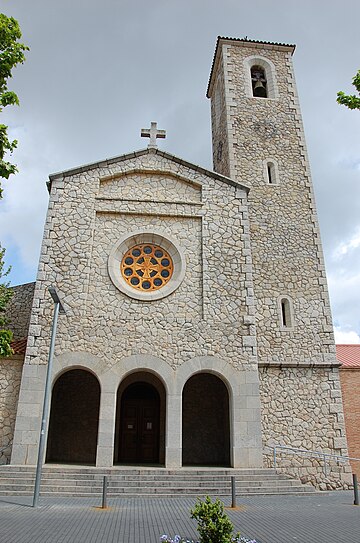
point(323, 517)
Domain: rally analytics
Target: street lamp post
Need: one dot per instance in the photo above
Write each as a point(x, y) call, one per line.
point(58, 308)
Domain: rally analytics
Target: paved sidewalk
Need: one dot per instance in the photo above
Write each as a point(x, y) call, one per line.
point(319, 518)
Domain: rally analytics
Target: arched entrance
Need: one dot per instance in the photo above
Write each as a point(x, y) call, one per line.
point(205, 421)
point(140, 421)
point(74, 418)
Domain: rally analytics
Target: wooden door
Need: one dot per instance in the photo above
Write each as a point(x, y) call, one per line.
point(139, 427)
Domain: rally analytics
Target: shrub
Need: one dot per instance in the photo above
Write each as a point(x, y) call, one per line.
point(214, 526)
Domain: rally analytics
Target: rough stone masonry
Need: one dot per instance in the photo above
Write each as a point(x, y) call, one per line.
point(243, 318)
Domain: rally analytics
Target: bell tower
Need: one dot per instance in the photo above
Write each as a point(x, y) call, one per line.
point(258, 140)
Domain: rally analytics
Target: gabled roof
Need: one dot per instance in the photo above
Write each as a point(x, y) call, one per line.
point(245, 42)
point(142, 152)
point(348, 355)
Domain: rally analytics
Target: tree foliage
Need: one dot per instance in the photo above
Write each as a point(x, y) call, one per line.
point(350, 100)
point(5, 295)
point(11, 54)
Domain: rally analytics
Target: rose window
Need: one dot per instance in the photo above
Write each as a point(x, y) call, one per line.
point(146, 267)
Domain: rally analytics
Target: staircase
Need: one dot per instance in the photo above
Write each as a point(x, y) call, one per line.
point(69, 481)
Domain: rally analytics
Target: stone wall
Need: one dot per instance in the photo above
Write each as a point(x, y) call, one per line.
point(211, 312)
point(285, 239)
point(208, 317)
point(18, 313)
point(10, 378)
point(302, 408)
point(350, 386)
point(219, 114)
point(286, 251)
point(18, 310)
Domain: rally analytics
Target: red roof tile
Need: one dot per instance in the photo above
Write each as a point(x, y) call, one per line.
point(19, 346)
point(348, 355)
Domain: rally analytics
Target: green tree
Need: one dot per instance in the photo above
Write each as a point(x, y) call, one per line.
point(11, 54)
point(350, 100)
point(5, 295)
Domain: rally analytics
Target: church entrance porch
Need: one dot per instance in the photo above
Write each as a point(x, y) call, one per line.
point(140, 421)
point(206, 427)
point(74, 416)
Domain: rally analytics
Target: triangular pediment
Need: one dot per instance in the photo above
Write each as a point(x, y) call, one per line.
point(146, 162)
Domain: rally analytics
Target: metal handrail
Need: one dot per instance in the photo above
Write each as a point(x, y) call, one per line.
point(324, 456)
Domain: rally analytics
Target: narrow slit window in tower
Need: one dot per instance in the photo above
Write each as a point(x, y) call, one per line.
point(285, 313)
point(271, 173)
point(258, 81)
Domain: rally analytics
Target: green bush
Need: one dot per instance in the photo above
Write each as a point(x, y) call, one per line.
point(214, 526)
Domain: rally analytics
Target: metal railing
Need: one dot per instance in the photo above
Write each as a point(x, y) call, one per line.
point(315, 454)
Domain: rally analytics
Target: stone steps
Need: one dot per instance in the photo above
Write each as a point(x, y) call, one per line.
point(130, 482)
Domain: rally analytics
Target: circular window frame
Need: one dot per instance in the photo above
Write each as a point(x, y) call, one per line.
point(160, 239)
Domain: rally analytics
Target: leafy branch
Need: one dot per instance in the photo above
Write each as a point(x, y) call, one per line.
point(350, 100)
point(12, 53)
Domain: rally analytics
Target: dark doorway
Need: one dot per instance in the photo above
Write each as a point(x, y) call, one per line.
point(205, 428)
point(74, 418)
point(139, 417)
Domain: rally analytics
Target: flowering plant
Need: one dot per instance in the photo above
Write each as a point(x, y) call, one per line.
point(176, 539)
point(241, 539)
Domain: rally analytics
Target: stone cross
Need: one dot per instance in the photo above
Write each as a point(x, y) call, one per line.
point(153, 133)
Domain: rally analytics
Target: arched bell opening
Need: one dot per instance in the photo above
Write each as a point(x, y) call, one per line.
point(140, 421)
point(259, 82)
point(205, 421)
point(74, 418)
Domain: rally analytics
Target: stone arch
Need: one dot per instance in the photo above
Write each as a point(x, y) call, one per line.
point(270, 75)
point(74, 417)
point(205, 421)
point(78, 360)
point(140, 419)
point(112, 378)
point(244, 405)
point(209, 364)
point(110, 381)
point(227, 375)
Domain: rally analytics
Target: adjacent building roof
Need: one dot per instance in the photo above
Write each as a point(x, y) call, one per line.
point(19, 346)
point(348, 355)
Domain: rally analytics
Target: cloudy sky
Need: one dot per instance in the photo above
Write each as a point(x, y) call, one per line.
point(97, 72)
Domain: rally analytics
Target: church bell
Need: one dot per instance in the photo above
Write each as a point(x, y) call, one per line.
point(259, 89)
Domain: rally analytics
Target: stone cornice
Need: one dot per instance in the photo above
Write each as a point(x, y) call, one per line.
point(135, 154)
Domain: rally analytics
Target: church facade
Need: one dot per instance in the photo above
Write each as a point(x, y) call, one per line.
point(198, 327)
